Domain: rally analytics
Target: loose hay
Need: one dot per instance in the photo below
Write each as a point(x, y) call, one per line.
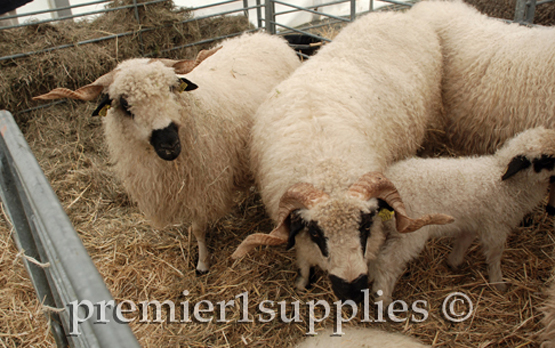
point(24, 78)
point(140, 263)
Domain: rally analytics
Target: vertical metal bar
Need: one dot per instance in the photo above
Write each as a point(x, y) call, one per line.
point(141, 42)
point(270, 16)
point(60, 3)
point(259, 14)
point(353, 10)
point(245, 6)
point(371, 7)
point(524, 11)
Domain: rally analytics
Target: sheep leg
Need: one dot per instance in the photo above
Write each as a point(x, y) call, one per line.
point(386, 272)
point(199, 230)
point(493, 250)
point(303, 279)
point(460, 246)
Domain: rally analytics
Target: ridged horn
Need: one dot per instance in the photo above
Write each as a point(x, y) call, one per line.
point(298, 196)
point(87, 93)
point(375, 184)
point(186, 66)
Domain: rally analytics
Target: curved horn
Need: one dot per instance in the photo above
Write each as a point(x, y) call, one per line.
point(87, 93)
point(298, 196)
point(375, 184)
point(186, 66)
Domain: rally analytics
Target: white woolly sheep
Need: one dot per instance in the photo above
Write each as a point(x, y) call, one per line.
point(320, 141)
point(150, 122)
point(356, 337)
point(498, 78)
point(488, 196)
point(547, 336)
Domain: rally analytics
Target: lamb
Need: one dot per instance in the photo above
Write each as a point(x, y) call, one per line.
point(150, 122)
point(498, 78)
point(320, 141)
point(356, 337)
point(488, 196)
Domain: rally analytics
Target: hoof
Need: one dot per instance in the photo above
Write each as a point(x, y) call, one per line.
point(501, 287)
point(200, 273)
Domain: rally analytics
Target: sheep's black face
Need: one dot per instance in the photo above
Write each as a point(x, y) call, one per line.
point(333, 248)
point(166, 142)
point(297, 224)
point(349, 290)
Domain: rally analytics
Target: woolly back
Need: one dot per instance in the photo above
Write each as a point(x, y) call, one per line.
point(498, 77)
point(362, 102)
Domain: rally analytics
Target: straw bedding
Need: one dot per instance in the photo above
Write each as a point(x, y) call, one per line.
point(139, 262)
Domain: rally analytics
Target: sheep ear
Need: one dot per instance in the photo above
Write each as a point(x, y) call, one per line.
point(186, 85)
point(86, 93)
point(295, 224)
point(544, 162)
point(103, 106)
point(517, 164)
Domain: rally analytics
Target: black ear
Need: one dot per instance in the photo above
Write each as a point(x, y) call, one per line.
point(383, 205)
point(517, 164)
point(186, 85)
point(544, 162)
point(103, 106)
point(296, 225)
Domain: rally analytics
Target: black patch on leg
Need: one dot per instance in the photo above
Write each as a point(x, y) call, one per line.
point(517, 164)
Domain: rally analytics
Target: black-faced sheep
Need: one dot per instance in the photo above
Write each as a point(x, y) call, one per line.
point(182, 156)
point(488, 196)
point(321, 139)
point(498, 78)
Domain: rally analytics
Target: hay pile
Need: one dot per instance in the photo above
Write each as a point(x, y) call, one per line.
point(141, 263)
point(23, 78)
point(544, 15)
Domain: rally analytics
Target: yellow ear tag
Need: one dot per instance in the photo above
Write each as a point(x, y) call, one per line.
point(104, 110)
point(385, 214)
point(183, 86)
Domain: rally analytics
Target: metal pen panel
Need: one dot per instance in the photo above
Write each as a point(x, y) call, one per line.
point(60, 267)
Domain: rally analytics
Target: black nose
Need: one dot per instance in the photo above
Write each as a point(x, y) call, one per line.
point(166, 142)
point(349, 291)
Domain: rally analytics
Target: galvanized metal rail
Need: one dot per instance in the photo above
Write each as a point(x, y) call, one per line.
point(59, 266)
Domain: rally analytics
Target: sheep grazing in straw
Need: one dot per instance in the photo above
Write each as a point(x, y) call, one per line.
point(321, 140)
point(179, 142)
point(488, 196)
